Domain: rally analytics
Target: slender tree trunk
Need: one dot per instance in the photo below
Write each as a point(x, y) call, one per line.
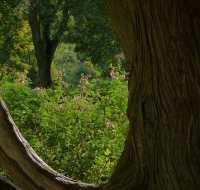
point(44, 71)
point(162, 44)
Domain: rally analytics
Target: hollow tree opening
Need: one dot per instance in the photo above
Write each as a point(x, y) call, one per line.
point(160, 39)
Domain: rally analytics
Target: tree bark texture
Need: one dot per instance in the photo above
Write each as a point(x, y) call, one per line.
point(162, 44)
point(24, 166)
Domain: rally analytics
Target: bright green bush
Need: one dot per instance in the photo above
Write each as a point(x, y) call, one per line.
point(81, 134)
point(24, 104)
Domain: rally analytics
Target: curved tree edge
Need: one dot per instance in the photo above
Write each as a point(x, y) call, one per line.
point(27, 170)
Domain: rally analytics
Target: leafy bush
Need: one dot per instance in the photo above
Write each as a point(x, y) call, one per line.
point(81, 134)
point(68, 64)
point(24, 104)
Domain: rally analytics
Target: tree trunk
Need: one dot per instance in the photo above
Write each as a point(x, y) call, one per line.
point(161, 42)
point(44, 71)
point(43, 45)
point(44, 52)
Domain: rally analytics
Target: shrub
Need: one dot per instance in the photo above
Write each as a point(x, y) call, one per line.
point(81, 134)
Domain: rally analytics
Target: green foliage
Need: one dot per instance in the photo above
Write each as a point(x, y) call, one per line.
point(16, 48)
point(67, 63)
point(91, 32)
point(80, 133)
point(69, 67)
point(11, 16)
point(83, 24)
point(24, 104)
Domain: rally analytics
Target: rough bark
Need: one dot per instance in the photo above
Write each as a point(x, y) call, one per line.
point(24, 166)
point(161, 42)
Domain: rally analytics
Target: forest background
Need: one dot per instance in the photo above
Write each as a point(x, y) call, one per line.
point(77, 120)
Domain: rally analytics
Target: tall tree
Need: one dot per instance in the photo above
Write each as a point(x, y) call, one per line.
point(48, 21)
point(161, 42)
